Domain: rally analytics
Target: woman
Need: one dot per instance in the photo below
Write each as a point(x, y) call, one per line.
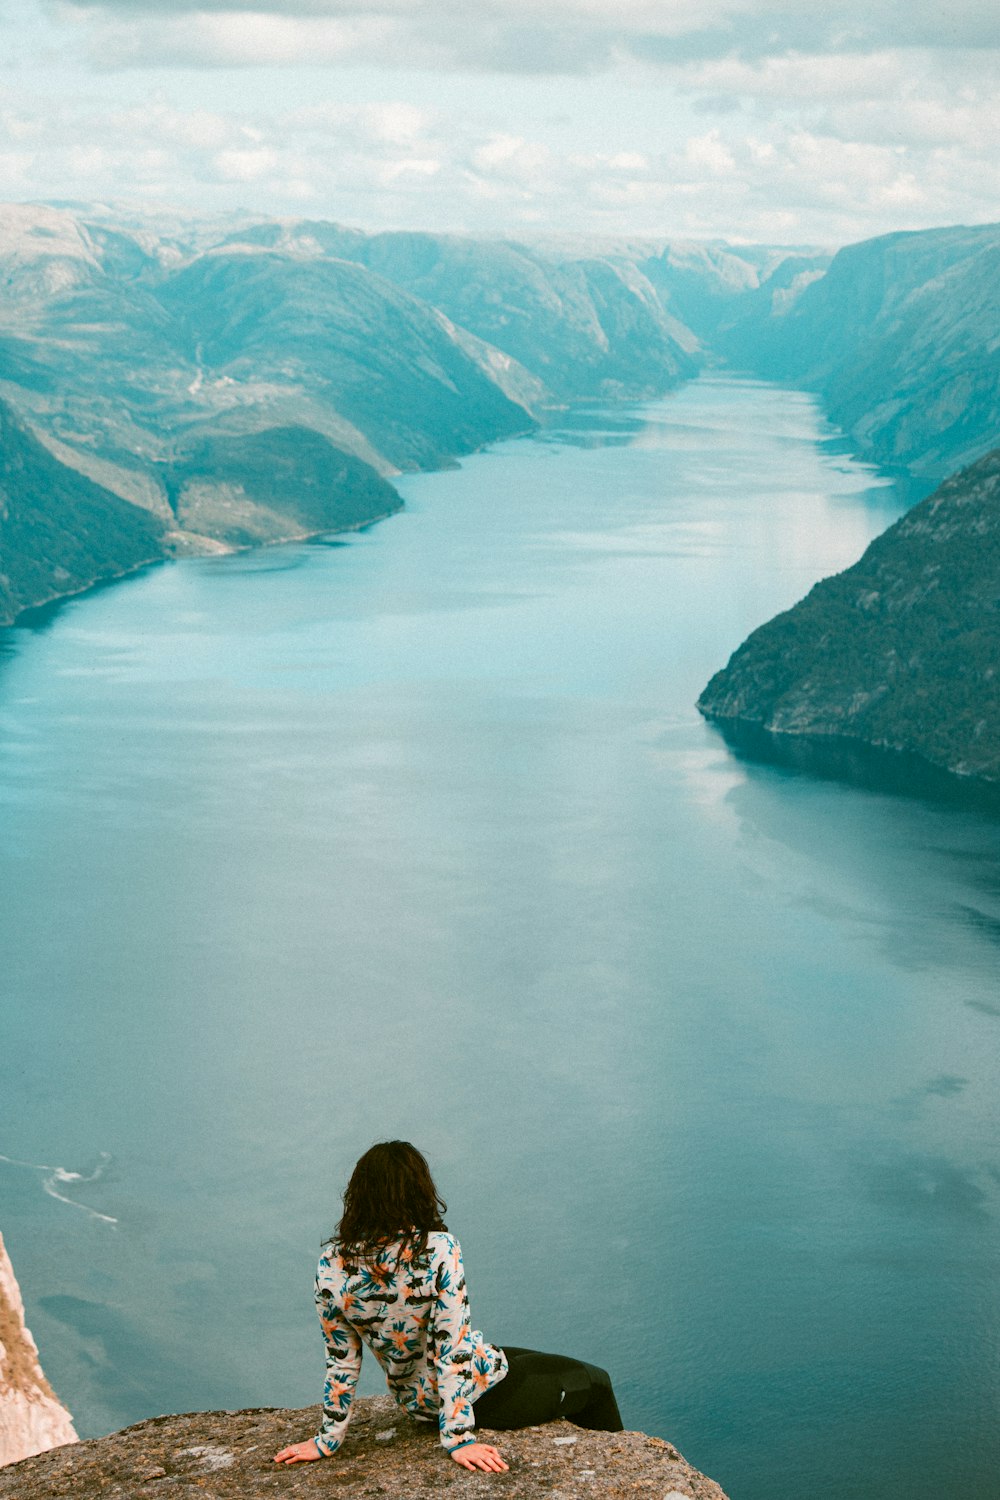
point(392, 1278)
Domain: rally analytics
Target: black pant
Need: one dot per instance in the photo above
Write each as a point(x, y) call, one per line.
point(543, 1387)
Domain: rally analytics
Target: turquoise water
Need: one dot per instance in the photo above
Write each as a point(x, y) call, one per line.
point(419, 833)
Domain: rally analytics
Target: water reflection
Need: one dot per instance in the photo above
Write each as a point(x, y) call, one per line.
point(896, 773)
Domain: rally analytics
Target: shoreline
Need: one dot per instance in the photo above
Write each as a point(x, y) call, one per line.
point(858, 763)
point(46, 609)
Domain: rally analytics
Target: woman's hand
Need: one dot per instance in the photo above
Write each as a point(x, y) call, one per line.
point(299, 1453)
point(480, 1456)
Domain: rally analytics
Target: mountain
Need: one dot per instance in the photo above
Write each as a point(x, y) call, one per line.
point(336, 337)
point(589, 317)
point(900, 338)
point(270, 486)
point(59, 531)
point(164, 393)
point(583, 324)
point(32, 1419)
point(901, 652)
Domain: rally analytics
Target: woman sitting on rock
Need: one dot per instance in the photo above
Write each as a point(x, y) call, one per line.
point(392, 1278)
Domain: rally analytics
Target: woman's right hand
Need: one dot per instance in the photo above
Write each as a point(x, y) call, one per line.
point(480, 1456)
point(299, 1453)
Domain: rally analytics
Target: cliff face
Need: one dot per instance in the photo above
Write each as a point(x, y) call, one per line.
point(899, 337)
point(31, 1416)
point(229, 1456)
point(900, 652)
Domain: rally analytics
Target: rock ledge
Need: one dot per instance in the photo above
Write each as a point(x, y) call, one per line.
point(229, 1456)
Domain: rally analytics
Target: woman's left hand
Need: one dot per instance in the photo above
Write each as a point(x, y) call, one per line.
point(299, 1453)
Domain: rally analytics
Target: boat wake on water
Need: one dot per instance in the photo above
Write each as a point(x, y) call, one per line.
point(54, 1179)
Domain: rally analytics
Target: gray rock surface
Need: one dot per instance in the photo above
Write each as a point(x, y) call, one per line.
point(229, 1456)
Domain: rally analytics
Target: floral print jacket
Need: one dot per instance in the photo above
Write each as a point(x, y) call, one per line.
point(413, 1313)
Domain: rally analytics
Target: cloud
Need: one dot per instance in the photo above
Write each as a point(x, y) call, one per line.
point(251, 164)
point(803, 77)
point(972, 123)
point(208, 40)
point(387, 164)
point(529, 36)
point(395, 121)
point(707, 154)
point(692, 117)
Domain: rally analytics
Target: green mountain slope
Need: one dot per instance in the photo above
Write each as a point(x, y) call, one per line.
point(231, 383)
point(335, 334)
point(582, 324)
point(60, 532)
point(267, 486)
point(900, 652)
point(215, 397)
point(901, 338)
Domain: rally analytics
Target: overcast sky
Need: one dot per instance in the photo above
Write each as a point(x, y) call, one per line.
point(771, 120)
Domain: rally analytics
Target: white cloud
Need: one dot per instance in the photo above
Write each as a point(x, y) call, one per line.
point(801, 77)
point(15, 170)
point(510, 156)
point(393, 121)
point(387, 166)
point(707, 153)
point(199, 129)
point(246, 166)
point(208, 39)
point(721, 117)
point(417, 166)
point(921, 122)
point(517, 35)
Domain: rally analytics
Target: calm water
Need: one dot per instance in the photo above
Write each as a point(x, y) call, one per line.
point(420, 834)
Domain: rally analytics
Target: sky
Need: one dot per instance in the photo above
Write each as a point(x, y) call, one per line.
point(776, 121)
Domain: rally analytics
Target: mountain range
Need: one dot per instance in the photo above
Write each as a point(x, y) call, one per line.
point(173, 384)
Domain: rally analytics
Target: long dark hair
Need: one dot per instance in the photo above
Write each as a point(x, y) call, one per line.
point(391, 1196)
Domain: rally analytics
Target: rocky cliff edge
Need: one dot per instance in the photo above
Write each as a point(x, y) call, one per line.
point(31, 1415)
point(229, 1456)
